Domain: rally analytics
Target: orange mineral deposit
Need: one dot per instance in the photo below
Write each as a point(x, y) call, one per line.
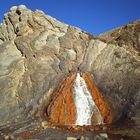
point(77, 101)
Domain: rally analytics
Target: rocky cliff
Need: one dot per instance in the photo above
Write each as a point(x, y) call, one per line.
point(37, 51)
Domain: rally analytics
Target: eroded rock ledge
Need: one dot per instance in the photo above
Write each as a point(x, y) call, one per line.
point(37, 51)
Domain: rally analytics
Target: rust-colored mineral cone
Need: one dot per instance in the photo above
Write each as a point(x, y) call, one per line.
point(78, 102)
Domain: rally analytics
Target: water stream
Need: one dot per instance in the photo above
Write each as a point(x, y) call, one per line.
point(84, 103)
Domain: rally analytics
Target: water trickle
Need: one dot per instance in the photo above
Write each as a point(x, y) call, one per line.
point(84, 104)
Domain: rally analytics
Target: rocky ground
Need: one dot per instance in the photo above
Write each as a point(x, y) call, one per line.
point(37, 51)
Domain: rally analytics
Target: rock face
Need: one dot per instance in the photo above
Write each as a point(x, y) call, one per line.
point(37, 52)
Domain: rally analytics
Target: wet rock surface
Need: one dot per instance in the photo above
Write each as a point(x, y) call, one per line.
point(77, 101)
point(38, 51)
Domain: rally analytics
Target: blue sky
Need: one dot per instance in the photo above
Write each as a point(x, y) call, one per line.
point(94, 16)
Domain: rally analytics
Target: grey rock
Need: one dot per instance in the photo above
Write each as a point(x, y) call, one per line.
point(22, 7)
point(52, 42)
point(9, 55)
point(71, 138)
point(13, 8)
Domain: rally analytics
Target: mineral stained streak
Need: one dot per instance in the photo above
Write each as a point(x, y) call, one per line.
point(78, 102)
point(39, 60)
